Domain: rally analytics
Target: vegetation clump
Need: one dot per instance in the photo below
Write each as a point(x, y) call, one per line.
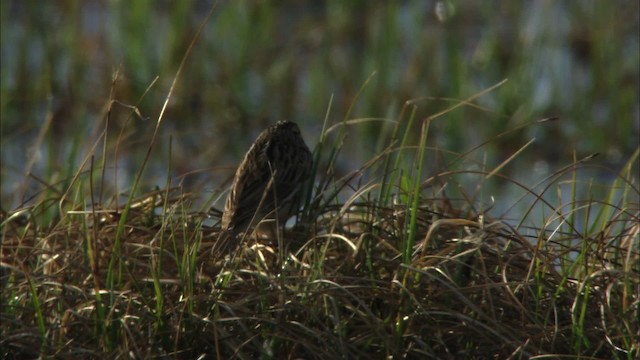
point(382, 262)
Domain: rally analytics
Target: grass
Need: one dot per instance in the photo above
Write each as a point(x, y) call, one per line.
point(407, 245)
point(384, 262)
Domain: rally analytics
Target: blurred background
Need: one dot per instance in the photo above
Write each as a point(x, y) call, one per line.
point(69, 66)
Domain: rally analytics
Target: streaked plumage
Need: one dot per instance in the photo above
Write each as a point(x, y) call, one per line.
point(268, 182)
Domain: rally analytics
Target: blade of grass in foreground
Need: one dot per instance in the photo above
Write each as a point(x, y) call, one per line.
point(156, 261)
point(35, 300)
point(415, 192)
point(91, 246)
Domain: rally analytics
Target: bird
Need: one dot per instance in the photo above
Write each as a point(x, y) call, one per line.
point(267, 184)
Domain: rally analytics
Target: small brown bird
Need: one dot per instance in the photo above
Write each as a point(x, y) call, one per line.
point(268, 183)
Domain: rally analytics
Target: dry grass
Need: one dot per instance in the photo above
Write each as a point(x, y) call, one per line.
point(343, 286)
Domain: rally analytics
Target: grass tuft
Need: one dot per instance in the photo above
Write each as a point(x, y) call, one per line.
point(383, 262)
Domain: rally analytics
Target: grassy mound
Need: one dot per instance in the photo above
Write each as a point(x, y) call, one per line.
point(382, 263)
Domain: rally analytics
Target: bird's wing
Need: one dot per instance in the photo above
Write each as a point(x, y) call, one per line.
point(248, 191)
